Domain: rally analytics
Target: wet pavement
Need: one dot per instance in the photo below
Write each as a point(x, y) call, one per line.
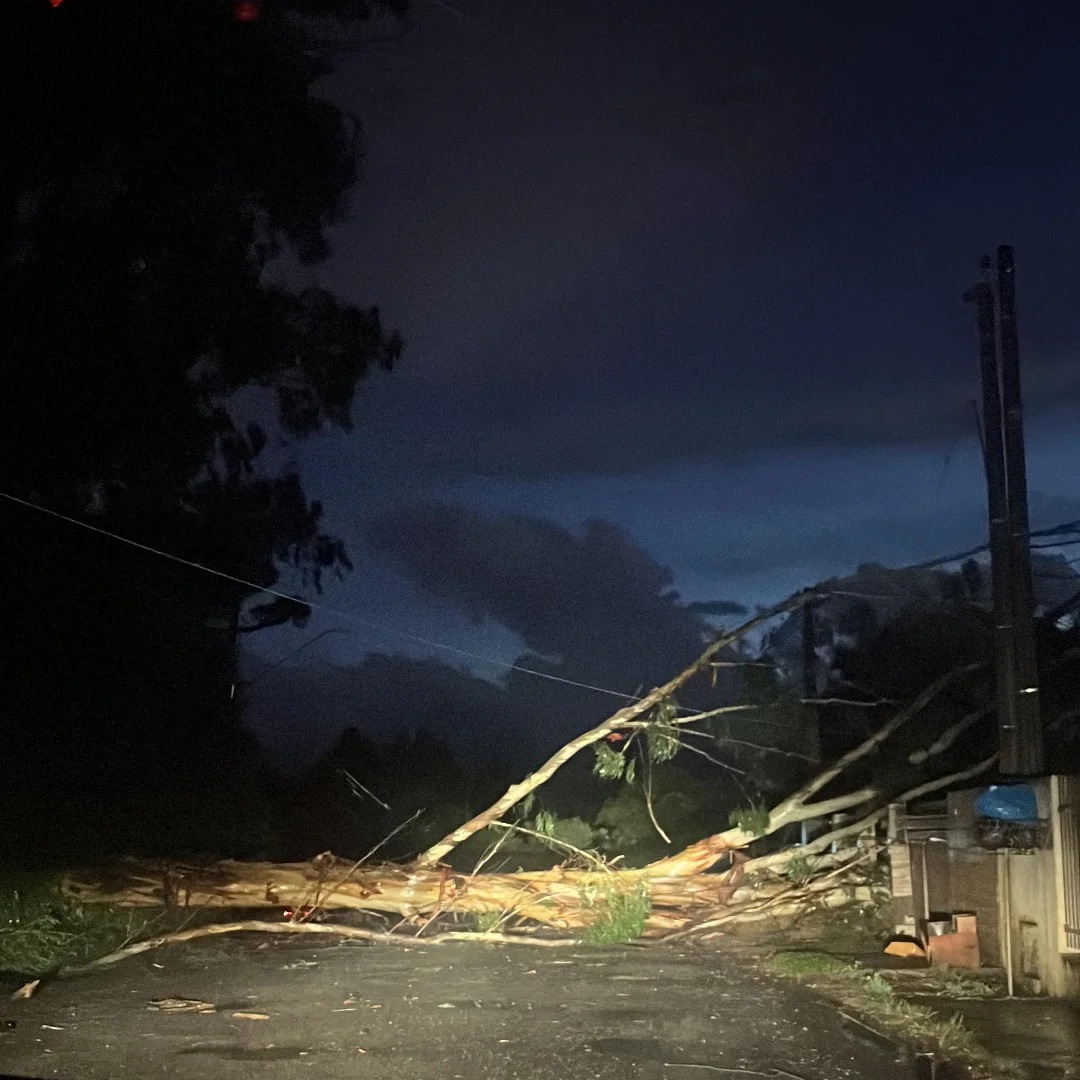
point(1041, 1033)
point(429, 1012)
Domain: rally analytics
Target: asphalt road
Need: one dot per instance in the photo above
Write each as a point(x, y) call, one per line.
point(429, 1012)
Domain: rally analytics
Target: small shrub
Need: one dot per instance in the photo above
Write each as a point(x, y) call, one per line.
point(877, 986)
point(798, 870)
point(617, 914)
point(487, 922)
point(953, 1038)
point(751, 819)
point(955, 984)
point(40, 930)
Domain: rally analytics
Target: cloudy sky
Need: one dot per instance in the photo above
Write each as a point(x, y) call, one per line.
point(694, 270)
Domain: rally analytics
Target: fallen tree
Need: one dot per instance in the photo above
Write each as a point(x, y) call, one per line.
point(672, 896)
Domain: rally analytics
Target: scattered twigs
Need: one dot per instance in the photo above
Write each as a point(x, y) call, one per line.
point(715, 760)
point(327, 929)
point(723, 710)
point(847, 702)
point(360, 791)
point(777, 1074)
point(647, 790)
point(949, 735)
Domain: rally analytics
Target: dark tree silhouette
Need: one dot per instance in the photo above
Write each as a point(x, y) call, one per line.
point(156, 157)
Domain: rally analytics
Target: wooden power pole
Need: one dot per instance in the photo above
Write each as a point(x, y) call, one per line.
point(1017, 681)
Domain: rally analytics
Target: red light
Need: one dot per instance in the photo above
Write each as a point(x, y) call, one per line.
point(246, 11)
point(55, 3)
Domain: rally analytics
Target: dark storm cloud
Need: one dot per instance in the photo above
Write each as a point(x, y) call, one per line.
point(586, 424)
point(716, 607)
point(627, 242)
point(593, 607)
point(539, 580)
point(589, 606)
point(625, 238)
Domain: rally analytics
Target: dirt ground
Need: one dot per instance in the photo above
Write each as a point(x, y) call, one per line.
point(431, 1012)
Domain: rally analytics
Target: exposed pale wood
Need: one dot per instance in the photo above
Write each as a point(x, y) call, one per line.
point(683, 896)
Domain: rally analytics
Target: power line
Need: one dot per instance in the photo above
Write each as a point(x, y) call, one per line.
point(353, 617)
point(1053, 530)
point(315, 607)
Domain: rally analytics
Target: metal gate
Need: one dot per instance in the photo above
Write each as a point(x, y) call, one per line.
point(1069, 865)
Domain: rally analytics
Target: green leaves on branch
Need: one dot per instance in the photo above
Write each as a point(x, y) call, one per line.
point(662, 734)
point(798, 869)
point(662, 743)
point(750, 819)
point(611, 764)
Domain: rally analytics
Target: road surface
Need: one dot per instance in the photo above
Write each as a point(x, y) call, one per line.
point(431, 1012)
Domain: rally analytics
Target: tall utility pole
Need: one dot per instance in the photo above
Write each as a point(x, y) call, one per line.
point(1028, 756)
point(810, 679)
point(1018, 705)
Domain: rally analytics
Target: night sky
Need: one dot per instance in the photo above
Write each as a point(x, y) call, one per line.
point(693, 270)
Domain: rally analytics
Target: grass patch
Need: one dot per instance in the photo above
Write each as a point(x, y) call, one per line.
point(956, 984)
point(878, 987)
point(489, 922)
point(873, 997)
point(41, 931)
point(948, 1037)
point(617, 914)
point(796, 964)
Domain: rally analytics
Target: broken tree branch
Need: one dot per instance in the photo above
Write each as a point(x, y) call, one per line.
point(699, 857)
point(516, 792)
point(949, 735)
point(329, 929)
point(693, 718)
point(872, 741)
point(819, 844)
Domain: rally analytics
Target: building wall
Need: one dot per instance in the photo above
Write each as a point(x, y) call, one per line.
point(973, 886)
point(1017, 898)
point(1030, 918)
point(1037, 963)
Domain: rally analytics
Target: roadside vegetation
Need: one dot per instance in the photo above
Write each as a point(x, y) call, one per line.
point(876, 1004)
point(42, 931)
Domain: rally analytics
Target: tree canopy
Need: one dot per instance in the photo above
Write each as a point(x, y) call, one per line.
point(157, 158)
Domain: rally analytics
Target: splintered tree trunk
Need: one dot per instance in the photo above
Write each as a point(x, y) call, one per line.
point(684, 897)
point(680, 891)
point(551, 898)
